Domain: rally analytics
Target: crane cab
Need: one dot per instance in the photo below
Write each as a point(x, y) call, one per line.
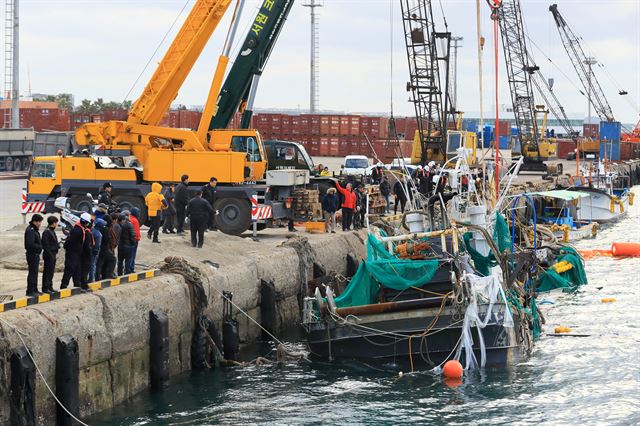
point(457, 139)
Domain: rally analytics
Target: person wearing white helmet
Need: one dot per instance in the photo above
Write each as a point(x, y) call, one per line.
point(74, 247)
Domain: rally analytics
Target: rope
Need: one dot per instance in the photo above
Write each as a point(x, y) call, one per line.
point(20, 333)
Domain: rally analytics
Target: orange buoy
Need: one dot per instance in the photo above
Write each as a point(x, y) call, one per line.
point(451, 382)
point(562, 329)
point(625, 249)
point(608, 300)
point(452, 369)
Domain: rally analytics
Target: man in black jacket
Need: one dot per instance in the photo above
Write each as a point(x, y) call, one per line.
point(125, 243)
point(107, 258)
point(104, 196)
point(87, 251)
point(209, 194)
point(33, 248)
point(74, 246)
point(182, 199)
point(50, 247)
point(198, 211)
point(385, 191)
point(169, 215)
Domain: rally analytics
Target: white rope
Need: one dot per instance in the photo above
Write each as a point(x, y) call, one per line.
point(18, 332)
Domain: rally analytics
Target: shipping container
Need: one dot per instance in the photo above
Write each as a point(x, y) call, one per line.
point(334, 125)
point(345, 125)
point(354, 125)
point(565, 147)
point(591, 131)
point(504, 142)
point(610, 150)
point(610, 131)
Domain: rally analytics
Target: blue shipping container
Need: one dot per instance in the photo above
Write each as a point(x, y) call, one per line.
point(514, 131)
point(612, 152)
point(610, 131)
point(470, 125)
point(504, 142)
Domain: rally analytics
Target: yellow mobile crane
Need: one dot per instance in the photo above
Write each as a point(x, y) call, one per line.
point(235, 157)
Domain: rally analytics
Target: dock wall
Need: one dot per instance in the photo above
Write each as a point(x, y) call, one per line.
point(112, 326)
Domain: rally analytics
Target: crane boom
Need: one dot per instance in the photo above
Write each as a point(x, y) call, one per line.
point(519, 70)
point(425, 84)
point(571, 43)
point(176, 64)
point(239, 87)
point(553, 104)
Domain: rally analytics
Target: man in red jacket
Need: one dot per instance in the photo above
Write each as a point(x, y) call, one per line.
point(134, 218)
point(348, 205)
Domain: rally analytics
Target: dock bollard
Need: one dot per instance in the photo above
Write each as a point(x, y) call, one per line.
point(22, 388)
point(67, 379)
point(158, 349)
point(267, 308)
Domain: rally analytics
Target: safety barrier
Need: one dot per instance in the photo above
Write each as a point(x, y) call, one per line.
point(23, 302)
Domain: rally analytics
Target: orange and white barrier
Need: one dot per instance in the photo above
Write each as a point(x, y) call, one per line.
point(617, 250)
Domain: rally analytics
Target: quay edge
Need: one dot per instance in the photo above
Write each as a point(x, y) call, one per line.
point(112, 326)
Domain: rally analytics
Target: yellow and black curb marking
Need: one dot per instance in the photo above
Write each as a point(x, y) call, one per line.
point(68, 292)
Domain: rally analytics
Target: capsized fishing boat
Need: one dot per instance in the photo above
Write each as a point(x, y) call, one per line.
point(419, 303)
point(438, 290)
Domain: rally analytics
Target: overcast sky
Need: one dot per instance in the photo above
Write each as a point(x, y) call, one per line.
point(97, 48)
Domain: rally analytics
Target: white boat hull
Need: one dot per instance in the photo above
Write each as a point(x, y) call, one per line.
point(598, 207)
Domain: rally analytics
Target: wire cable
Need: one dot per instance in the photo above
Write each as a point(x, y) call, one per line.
point(156, 50)
point(20, 333)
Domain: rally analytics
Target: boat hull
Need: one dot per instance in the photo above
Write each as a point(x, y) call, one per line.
point(384, 339)
point(597, 207)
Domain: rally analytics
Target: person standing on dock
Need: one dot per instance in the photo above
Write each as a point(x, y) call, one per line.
point(73, 246)
point(198, 211)
point(87, 251)
point(348, 205)
point(385, 191)
point(96, 232)
point(155, 202)
point(50, 248)
point(33, 248)
point(127, 239)
point(330, 204)
point(107, 258)
point(169, 215)
point(135, 222)
point(104, 196)
point(182, 199)
point(401, 197)
point(209, 194)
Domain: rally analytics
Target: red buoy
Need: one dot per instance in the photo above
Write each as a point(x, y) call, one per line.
point(452, 369)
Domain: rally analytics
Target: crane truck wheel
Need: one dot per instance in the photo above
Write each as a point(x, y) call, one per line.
point(81, 203)
point(128, 202)
point(8, 164)
point(234, 215)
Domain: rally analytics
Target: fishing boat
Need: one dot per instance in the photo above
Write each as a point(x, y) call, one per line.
point(558, 211)
point(608, 198)
point(417, 305)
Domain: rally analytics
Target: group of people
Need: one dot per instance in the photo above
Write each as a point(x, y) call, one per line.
point(101, 245)
point(175, 206)
point(352, 202)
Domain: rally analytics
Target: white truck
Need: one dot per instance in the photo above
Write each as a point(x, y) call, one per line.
point(355, 165)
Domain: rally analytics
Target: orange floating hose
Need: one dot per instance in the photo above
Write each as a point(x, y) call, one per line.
point(625, 249)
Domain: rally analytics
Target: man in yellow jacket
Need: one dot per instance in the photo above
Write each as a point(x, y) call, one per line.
point(155, 204)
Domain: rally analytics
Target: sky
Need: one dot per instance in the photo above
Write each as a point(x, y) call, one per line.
point(98, 48)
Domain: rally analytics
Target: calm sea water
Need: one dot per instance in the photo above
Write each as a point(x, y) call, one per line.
point(567, 380)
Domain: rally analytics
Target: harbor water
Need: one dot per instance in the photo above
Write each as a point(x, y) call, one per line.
point(590, 376)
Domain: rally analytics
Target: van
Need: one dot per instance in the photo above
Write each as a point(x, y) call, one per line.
point(355, 165)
